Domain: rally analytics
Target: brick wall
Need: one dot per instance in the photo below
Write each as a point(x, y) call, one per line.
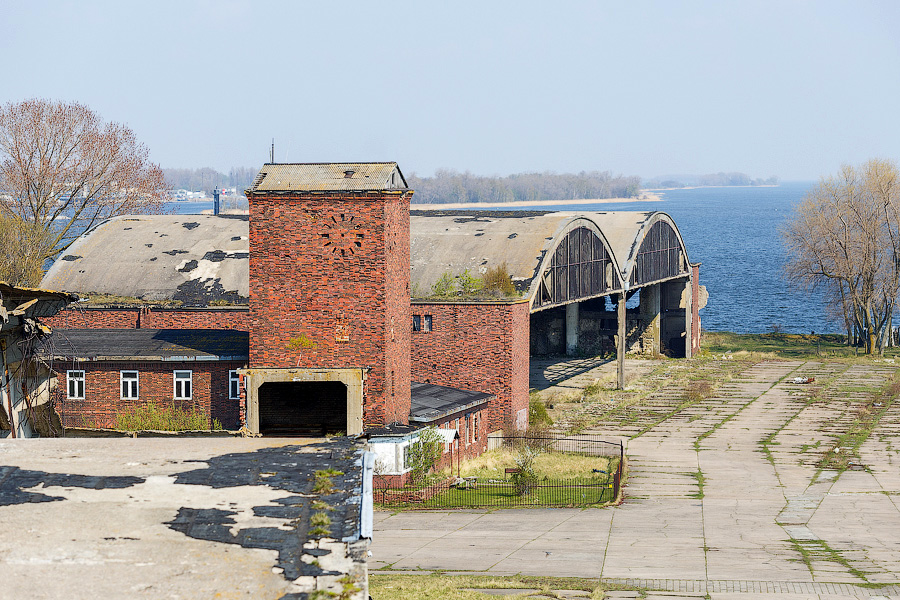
point(473, 437)
point(479, 347)
point(102, 392)
point(128, 317)
point(329, 288)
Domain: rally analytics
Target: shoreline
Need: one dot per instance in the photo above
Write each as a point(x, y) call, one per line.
point(646, 196)
point(697, 187)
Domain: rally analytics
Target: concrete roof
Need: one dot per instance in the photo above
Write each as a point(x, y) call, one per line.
point(192, 258)
point(454, 240)
point(320, 177)
point(199, 258)
point(183, 517)
point(146, 344)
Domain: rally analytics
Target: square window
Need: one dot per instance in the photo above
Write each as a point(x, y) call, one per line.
point(75, 385)
point(426, 326)
point(182, 382)
point(129, 384)
point(234, 385)
point(417, 322)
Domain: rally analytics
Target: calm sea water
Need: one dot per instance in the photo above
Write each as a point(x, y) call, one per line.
point(734, 233)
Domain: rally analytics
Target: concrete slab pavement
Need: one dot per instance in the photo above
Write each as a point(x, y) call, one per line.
point(766, 520)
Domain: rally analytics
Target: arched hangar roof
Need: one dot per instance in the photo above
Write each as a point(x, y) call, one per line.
point(193, 258)
point(553, 257)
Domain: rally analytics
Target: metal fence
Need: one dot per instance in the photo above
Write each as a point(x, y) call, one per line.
point(515, 488)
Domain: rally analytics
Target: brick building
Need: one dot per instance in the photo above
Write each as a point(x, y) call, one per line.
point(333, 279)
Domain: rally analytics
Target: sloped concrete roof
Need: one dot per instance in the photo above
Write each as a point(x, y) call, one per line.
point(192, 258)
point(200, 258)
point(455, 240)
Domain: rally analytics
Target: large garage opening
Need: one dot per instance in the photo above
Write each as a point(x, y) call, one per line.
point(302, 408)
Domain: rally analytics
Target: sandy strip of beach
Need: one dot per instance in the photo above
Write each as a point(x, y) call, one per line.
point(644, 197)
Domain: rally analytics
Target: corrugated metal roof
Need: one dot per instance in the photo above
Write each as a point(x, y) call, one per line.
point(316, 177)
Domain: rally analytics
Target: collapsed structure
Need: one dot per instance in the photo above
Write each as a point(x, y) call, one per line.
point(346, 329)
point(25, 380)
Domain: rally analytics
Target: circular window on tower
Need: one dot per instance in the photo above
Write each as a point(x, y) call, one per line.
point(341, 235)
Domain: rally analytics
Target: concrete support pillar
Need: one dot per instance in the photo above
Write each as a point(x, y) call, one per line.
point(650, 314)
point(620, 347)
point(571, 328)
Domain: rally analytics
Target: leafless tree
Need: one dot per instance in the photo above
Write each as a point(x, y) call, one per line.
point(845, 239)
point(63, 169)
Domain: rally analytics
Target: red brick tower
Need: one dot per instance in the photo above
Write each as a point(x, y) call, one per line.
point(329, 297)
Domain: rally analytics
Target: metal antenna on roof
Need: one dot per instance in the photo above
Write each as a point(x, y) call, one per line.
point(272, 153)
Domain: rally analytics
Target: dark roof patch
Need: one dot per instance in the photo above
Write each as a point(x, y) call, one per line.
point(146, 344)
point(431, 402)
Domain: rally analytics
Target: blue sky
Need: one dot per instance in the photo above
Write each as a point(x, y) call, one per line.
point(787, 88)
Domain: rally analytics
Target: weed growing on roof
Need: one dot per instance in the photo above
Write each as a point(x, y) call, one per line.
point(324, 484)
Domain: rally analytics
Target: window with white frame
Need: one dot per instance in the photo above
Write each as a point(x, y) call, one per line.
point(75, 385)
point(417, 322)
point(182, 381)
point(426, 324)
point(234, 385)
point(129, 384)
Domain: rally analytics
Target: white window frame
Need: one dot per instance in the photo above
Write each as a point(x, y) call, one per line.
point(234, 385)
point(427, 323)
point(75, 377)
point(178, 394)
point(135, 387)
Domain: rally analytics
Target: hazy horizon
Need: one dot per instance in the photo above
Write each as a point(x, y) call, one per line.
point(792, 89)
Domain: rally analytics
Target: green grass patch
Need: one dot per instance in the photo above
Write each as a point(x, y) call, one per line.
point(462, 587)
point(784, 345)
point(701, 481)
point(812, 551)
point(552, 465)
point(153, 417)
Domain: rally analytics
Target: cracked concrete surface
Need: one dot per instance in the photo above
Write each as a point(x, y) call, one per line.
point(767, 521)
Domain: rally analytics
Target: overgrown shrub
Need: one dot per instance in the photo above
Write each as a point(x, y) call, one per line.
point(468, 285)
point(526, 477)
point(164, 418)
point(444, 287)
point(538, 418)
point(425, 452)
point(498, 281)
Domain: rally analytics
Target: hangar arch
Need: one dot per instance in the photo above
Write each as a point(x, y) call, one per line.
point(581, 265)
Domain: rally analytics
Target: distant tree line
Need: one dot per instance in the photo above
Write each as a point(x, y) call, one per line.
point(712, 179)
point(207, 179)
point(449, 186)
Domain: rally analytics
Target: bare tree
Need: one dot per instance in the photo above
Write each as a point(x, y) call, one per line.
point(62, 168)
point(845, 238)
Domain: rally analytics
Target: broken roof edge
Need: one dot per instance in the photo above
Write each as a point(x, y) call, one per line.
point(8, 288)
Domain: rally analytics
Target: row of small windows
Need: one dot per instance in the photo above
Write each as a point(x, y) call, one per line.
point(422, 323)
point(129, 384)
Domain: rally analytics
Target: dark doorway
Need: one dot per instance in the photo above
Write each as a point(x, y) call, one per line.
point(296, 408)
